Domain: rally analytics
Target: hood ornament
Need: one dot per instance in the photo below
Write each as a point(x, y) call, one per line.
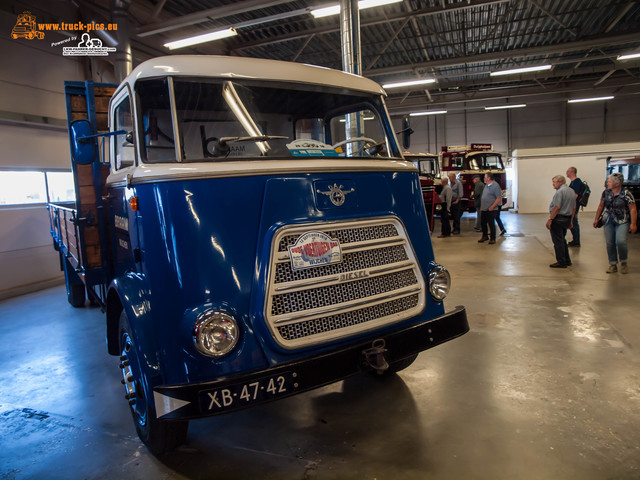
point(336, 194)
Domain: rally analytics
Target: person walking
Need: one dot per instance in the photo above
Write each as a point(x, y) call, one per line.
point(491, 197)
point(577, 186)
point(620, 218)
point(456, 202)
point(445, 198)
point(561, 211)
point(478, 187)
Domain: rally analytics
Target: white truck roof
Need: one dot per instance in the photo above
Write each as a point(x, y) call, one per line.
point(215, 66)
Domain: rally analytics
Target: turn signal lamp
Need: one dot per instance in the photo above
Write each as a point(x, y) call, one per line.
point(133, 203)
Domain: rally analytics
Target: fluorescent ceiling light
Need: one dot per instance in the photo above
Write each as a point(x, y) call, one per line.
point(207, 37)
point(430, 112)
point(500, 107)
point(407, 84)
point(592, 99)
point(521, 70)
point(362, 5)
point(629, 56)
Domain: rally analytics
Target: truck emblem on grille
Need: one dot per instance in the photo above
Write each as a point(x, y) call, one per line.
point(336, 194)
point(314, 249)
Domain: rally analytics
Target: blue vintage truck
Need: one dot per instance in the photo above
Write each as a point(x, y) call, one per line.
point(251, 230)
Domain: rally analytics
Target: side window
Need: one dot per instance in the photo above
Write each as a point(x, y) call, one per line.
point(124, 150)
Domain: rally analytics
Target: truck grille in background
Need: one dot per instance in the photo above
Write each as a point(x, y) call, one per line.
point(318, 304)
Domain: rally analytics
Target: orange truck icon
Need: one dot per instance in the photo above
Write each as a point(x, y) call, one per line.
point(25, 27)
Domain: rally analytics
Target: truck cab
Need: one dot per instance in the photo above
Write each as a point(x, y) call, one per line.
point(465, 161)
point(264, 236)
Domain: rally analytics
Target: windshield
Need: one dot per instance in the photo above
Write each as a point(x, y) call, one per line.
point(230, 120)
point(486, 161)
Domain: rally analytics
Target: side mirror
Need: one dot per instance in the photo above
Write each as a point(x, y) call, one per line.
point(82, 149)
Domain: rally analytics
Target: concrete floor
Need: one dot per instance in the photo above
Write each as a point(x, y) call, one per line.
point(546, 385)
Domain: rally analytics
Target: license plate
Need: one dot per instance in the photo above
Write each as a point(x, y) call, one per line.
point(238, 395)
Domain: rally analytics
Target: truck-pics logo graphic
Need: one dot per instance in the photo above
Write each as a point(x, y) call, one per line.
point(25, 27)
point(313, 249)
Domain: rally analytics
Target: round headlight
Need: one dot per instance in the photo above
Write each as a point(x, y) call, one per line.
point(215, 334)
point(438, 207)
point(439, 283)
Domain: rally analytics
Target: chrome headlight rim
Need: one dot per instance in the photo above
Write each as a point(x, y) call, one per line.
point(439, 283)
point(211, 324)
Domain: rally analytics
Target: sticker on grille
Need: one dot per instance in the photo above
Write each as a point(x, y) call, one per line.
point(342, 320)
point(378, 283)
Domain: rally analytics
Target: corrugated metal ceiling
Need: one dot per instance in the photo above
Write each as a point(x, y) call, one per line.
point(457, 42)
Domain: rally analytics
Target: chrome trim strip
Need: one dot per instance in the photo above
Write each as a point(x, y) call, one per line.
point(306, 283)
point(391, 268)
point(300, 284)
point(344, 307)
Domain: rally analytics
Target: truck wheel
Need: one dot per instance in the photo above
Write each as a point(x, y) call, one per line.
point(159, 436)
point(75, 294)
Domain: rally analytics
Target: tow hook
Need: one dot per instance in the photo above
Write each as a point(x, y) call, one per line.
point(374, 356)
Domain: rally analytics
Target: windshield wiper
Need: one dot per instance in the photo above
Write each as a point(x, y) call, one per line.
point(221, 147)
point(253, 138)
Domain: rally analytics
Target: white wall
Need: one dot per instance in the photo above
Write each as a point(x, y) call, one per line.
point(31, 82)
point(534, 168)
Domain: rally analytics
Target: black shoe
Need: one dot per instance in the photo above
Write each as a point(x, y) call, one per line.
point(573, 244)
point(483, 239)
point(502, 232)
point(477, 229)
point(456, 232)
point(557, 265)
point(443, 236)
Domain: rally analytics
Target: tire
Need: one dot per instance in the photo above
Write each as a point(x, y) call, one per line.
point(159, 436)
point(76, 294)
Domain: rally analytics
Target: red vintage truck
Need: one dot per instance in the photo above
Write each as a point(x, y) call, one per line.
point(469, 160)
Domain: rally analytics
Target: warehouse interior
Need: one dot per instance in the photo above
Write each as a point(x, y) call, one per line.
point(544, 385)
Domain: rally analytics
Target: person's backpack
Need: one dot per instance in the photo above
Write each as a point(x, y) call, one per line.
point(583, 198)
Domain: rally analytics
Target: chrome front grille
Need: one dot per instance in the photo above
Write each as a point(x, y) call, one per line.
point(377, 283)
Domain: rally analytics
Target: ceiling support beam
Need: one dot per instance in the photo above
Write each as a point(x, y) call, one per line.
point(620, 16)
point(554, 17)
point(234, 8)
point(389, 42)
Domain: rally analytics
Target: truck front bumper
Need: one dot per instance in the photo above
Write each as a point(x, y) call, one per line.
point(227, 394)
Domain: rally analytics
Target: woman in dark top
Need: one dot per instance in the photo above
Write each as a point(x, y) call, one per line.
point(620, 218)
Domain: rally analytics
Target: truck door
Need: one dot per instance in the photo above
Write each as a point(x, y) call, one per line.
point(122, 211)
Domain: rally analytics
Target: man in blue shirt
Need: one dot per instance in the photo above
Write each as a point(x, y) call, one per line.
point(577, 186)
point(491, 197)
point(561, 211)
